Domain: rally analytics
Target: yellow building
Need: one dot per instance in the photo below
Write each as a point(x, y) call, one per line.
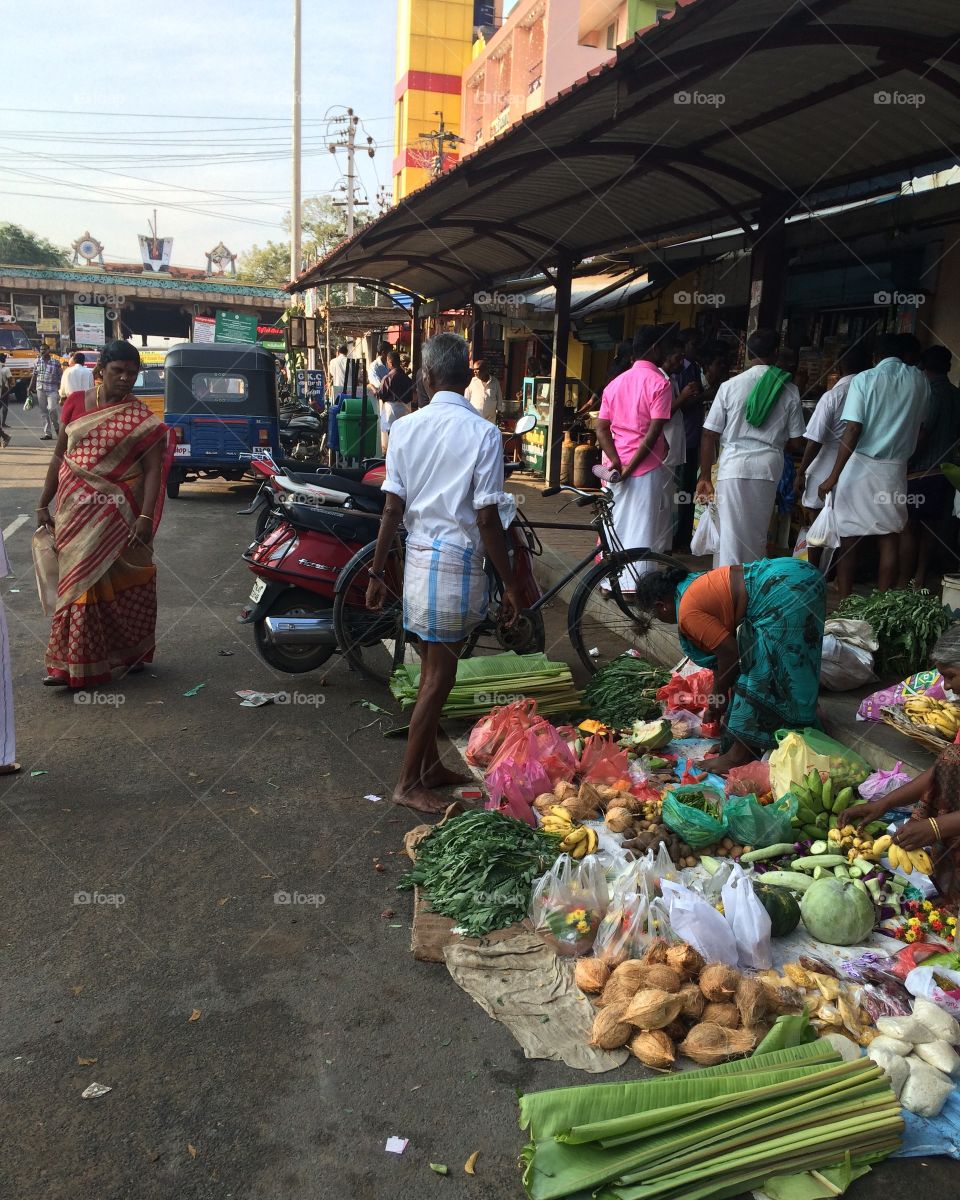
point(434, 46)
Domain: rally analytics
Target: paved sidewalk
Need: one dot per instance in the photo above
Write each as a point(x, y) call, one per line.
point(880, 745)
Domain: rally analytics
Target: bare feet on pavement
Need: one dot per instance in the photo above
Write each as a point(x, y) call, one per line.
point(420, 799)
point(441, 776)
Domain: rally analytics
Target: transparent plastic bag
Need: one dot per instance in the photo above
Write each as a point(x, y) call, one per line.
point(603, 761)
point(881, 782)
point(46, 567)
point(696, 922)
point(754, 824)
point(569, 903)
point(748, 919)
point(623, 931)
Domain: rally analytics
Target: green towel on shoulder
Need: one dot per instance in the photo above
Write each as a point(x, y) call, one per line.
point(764, 394)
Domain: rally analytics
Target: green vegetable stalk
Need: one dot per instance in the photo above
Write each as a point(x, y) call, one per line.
point(905, 621)
point(625, 691)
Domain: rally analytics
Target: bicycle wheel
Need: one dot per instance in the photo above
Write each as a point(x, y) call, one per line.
point(604, 617)
point(373, 643)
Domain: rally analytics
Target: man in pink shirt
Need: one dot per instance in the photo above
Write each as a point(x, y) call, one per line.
point(635, 408)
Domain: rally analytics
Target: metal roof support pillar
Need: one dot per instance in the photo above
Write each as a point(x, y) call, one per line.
point(416, 339)
point(768, 261)
point(476, 330)
point(558, 369)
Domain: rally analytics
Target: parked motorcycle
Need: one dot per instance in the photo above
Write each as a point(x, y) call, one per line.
point(303, 434)
point(322, 486)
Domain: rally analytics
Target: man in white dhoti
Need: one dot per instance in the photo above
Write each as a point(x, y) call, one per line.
point(883, 414)
point(755, 417)
point(8, 745)
point(635, 408)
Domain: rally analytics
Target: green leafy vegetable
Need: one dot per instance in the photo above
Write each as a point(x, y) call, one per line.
point(905, 621)
point(625, 691)
point(478, 868)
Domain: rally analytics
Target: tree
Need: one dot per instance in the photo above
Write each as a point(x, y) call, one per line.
point(21, 248)
point(324, 227)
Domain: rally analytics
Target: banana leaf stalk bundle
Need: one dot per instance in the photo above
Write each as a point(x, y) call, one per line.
point(490, 680)
point(711, 1133)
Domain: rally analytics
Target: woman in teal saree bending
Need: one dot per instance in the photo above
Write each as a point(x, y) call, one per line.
point(760, 628)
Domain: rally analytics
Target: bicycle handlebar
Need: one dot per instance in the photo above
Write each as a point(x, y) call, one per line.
point(583, 498)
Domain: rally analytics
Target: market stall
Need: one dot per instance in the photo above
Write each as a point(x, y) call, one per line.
point(615, 901)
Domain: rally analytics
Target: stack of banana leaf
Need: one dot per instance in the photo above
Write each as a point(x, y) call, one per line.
point(490, 680)
point(712, 1133)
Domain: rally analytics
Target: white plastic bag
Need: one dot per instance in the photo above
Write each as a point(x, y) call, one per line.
point(699, 924)
point(843, 665)
point(920, 983)
point(706, 536)
point(822, 534)
point(748, 919)
point(802, 549)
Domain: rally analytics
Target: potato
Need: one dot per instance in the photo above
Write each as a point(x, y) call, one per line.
point(689, 861)
point(727, 843)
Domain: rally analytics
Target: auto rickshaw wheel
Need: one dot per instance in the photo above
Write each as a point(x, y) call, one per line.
point(294, 659)
point(173, 488)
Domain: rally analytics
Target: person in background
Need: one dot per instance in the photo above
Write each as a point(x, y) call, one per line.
point(715, 369)
point(45, 381)
point(420, 389)
point(8, 741)
point(338, 372)
point(77, 377)
point(934, 794)
point(883, 414)
point(622, 359)
point(759, 628)
point(379, 368)
point(395, 395)
point(822, 436)
point(444, 481)
point(484, 392)
point(929, 492)
point(687, 392)
point(634, 412)
point(6, 391)
point(755, 417)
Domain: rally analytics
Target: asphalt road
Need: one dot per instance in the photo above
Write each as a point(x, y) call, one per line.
point(254, 1049)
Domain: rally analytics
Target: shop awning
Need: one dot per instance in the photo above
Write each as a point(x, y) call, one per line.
point(726, 106)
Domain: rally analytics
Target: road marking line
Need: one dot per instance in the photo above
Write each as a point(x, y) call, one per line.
point(15, 524)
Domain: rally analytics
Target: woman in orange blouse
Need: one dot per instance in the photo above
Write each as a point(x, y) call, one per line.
point(759, 626)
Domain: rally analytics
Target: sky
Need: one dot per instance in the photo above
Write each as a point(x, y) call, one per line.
point(184, 106)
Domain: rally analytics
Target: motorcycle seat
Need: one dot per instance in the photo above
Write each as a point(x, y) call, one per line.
point(345, 524)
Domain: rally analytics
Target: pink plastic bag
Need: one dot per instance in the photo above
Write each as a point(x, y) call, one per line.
point(602, 761)
point(529, 763)
point(925, 683)
point(750, 780)
point(491, 731)
point(688, 691)
point(881, 782)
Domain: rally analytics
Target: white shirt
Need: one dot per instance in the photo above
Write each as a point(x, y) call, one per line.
point(338, 373)
point(486, 398)
point(745, 451)
point(890, 401)
point(76, 379)
point(6, 377)
point(827, 424)
point(446, 463)
point(377, 374)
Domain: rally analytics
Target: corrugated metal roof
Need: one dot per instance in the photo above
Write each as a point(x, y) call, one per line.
point(724, 105)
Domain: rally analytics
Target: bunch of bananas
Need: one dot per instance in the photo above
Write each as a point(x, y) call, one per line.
point(856, 846)
point(575, 840)
point(938, 715)
point(909, 860)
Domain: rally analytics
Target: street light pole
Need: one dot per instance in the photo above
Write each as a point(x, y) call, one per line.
point(295, 229)
point(351, 143)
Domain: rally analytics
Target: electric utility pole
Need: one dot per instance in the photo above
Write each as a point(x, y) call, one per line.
point(342, 135)
point(295, 214)
point(439, 139)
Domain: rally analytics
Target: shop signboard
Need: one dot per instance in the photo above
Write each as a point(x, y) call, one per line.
point(310, 384)
point(48, 325)
point(27, 312)
point(535, 449)
point(235, 327)
point(204, 329)
point(272, 337)
point(88, 325)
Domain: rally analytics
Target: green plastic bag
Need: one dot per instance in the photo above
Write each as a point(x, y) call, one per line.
point(754, 824)
point(696, 828)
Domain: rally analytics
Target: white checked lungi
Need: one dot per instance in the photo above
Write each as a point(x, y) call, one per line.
point(445, 590)
point(744, 508)
point(871, 497)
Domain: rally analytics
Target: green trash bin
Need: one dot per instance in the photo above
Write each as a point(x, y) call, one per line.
point(348, 428)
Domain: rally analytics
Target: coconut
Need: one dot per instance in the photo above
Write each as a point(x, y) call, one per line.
point(610, 1031)
point(562, 790)
point(676, 1031)
point(781, 999)
point(591, 974)
point(656, 952)
point(585, 805)
point(633, 804)
point(710, 1044)
point(661, 976)
point(686, 960)
point(718, 1013)
point(751, 1002)
point(693, 1002)
point(719, 982)
point(624, 983)
point(544, 801)
point(654, 1049)
point(619, 820)
point(653, 1008)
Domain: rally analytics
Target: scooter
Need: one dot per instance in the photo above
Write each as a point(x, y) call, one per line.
point(303, 434)
point(351, 487)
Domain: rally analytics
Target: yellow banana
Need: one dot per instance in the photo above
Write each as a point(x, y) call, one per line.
point(922, 861)
point(882, 844)
point(592, 840)
point(834, 835)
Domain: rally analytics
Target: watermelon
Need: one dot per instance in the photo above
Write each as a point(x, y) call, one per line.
point(782, 907)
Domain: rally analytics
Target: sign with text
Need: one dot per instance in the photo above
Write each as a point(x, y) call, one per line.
point(235, 327)
point(88, 326)
point(204, 329)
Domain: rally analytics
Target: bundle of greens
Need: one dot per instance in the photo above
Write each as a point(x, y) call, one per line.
point(711, 1133)
point(478, 868)
point(625, 691)
point(494, 679)
point(905, 621)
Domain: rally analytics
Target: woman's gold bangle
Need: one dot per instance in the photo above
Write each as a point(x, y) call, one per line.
point(936, 829)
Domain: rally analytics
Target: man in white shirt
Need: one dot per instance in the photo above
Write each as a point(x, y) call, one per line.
point(379, 369)
point(444, 479)
point(338, 372)
point(484, 392)
point(77, 377)
point(825, 429)
point(6, 391)
point(755, 417)
point(883, 415)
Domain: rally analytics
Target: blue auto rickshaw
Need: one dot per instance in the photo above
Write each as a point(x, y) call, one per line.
point(221, 402)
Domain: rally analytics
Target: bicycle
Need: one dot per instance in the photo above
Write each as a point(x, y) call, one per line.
point(375, 642)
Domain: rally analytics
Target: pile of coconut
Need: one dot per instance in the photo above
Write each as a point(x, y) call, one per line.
point(670, 1002)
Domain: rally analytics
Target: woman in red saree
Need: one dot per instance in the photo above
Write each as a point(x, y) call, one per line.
point(107, 473)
